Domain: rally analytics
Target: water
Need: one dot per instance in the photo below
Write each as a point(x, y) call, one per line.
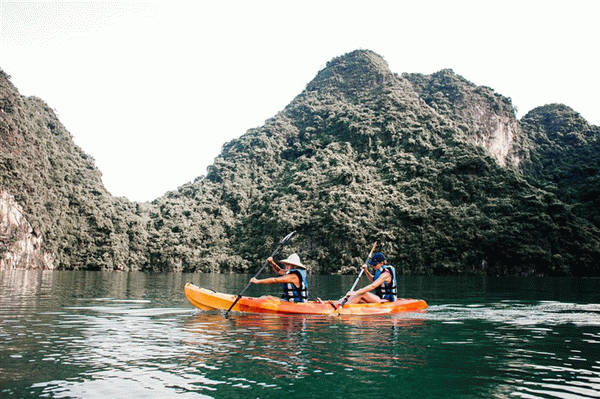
point(134, 335)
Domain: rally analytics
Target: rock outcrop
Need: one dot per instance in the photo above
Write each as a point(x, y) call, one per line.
point(20, 245)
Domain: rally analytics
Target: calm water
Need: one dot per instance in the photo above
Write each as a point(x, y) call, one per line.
point(134, 335)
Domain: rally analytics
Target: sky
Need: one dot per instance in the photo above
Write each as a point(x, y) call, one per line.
point(153, 89)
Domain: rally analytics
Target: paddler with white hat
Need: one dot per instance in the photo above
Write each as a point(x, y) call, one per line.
point(292, 278)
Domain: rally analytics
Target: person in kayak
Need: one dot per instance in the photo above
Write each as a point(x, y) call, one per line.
point(292, 279)
point(383, 281)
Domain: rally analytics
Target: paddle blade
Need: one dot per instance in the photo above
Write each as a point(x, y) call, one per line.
point(287, 238)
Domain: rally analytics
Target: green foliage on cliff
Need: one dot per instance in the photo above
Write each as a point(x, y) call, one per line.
point(434, 168)
point(61, 190)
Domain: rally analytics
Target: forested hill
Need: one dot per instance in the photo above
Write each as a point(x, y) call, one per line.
point(54, 210)
point(437, 170)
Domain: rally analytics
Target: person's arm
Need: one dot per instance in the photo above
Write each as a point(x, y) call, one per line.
point(384, 277)
point(365, 267)
point(287, 278)
point(276, 267)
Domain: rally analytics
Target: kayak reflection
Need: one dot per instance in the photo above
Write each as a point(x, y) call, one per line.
point(299, 345)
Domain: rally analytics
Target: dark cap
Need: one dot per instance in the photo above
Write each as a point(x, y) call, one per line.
point(376, 258)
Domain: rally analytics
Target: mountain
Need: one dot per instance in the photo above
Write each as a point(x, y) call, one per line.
point(436, 169)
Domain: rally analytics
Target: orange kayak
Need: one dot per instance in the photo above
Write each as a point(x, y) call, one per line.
point(210, 300)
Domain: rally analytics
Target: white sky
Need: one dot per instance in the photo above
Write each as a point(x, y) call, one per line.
point(152, 90)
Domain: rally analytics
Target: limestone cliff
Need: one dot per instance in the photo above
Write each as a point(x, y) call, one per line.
point(20, 245)
point(76, 223)
point(485, 117)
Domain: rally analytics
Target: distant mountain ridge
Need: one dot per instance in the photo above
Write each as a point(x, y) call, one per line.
point(437, 170)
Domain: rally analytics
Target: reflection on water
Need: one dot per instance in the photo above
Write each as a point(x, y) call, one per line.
point(123, 335)
point(287, 344)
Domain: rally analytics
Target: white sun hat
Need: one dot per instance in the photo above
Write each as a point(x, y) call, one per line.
point(293, 260)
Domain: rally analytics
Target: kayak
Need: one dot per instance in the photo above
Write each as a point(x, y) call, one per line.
point(205, 299)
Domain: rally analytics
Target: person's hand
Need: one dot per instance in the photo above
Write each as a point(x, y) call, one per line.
point(270, 259)
point(365, 267)
point(254, 280)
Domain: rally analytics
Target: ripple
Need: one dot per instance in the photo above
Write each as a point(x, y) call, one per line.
point(519, 313)
point(134, 383)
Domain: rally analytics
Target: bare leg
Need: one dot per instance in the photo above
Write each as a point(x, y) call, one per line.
point(367, 297)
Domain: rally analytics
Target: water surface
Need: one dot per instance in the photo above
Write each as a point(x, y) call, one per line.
point(134, 335)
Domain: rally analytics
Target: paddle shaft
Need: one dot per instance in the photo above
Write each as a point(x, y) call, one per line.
point(359, 275)
point(281, 244)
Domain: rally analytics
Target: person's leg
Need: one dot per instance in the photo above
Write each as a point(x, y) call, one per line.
point(367, 297)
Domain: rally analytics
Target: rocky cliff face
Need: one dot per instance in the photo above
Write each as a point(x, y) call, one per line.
point(20, 246)
point(486, 117)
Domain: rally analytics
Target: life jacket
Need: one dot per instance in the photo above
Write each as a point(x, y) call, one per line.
point(296, 294)
point(386, 290)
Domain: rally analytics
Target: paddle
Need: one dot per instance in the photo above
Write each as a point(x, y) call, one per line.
point(356, 281)
point(281, 244)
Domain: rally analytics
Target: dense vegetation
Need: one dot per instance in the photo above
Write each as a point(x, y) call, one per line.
point(61, 190)
point(436, 169)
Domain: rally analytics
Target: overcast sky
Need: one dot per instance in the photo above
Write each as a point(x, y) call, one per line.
point(152, 90)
